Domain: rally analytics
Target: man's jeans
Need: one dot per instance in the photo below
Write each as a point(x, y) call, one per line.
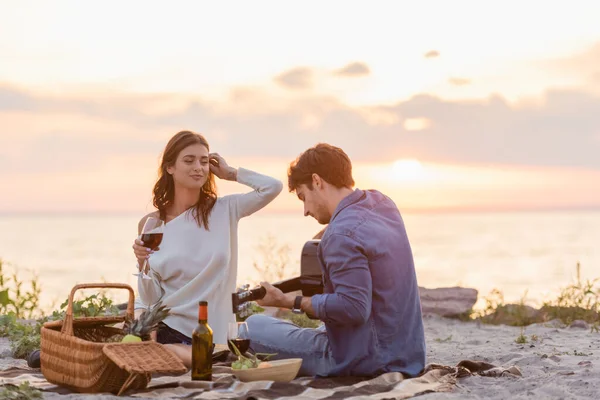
point(272, 335)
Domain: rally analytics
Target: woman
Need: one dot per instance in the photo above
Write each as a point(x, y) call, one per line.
point(197, 258)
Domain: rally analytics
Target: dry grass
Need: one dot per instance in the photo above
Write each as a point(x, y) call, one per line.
point(577, 301)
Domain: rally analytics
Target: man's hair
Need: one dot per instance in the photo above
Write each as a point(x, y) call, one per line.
point(327, 161)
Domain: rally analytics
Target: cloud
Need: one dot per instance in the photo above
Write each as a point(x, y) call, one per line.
point(585, 65)
point(459, 81)
point(354, 69)
point(590, 56)
point(297, 78)
point(432, 54)
point(560, 131)
point(13, 99)
point(64, 151)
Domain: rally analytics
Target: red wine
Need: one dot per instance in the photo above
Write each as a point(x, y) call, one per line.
point(242, 345)
point(152, 240)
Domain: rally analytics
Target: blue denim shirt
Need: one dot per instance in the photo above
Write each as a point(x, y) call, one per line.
point(370, 304)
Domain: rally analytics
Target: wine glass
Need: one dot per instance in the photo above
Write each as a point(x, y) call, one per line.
point(152, 234)
point(237, 335)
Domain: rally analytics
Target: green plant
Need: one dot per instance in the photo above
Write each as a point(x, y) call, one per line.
point(6, 323)
point(90, 306)
point(22, 392)
point(24, 336)
point(520, 313)
point(521, 338)
point(497, 312)
point(468, 315)
point(275, 260)
point(439, 340)
point(15, 299)
point(302, 320)
point(274, 267)
point(493, 301)
point(580, 300)
point(252, 309)
point(18, 302)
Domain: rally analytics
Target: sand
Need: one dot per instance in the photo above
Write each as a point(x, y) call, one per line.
point(556, 362)
point(563, 363)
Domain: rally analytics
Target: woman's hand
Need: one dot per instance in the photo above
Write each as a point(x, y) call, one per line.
point(221, 169)
point(141, 253)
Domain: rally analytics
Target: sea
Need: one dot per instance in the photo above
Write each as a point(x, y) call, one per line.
point(528, 256)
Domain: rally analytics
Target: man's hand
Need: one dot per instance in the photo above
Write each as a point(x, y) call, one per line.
point(220, 168)
point(275, 297)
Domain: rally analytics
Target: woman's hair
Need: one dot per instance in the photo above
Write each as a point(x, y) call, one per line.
point(164, 189)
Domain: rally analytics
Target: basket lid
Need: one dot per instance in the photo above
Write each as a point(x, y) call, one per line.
point(144, 357)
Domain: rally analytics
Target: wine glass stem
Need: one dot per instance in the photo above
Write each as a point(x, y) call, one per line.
point(143, 271)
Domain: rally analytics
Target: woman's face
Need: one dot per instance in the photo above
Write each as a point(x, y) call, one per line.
point(191, 168)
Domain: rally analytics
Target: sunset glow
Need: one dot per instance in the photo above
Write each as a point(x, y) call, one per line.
point(407, 170)
point(449, 118)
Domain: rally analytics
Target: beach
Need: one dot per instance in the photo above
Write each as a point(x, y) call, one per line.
point(279, 125)
point(556, 361)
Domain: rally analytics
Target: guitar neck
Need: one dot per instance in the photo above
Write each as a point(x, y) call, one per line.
point(289, 285)
point(309, 285)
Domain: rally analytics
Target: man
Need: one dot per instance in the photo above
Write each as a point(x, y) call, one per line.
point(370, 307)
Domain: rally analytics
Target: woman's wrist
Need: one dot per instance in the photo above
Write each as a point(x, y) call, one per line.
point(232, 174)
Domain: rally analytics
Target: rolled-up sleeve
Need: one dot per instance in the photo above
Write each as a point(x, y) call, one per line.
point(348, 270)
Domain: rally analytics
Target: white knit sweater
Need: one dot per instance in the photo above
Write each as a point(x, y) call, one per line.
point(194, 264)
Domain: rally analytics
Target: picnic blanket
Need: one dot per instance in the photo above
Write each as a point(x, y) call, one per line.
point(434, 378)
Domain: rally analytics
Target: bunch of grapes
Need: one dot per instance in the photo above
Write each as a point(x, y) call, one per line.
point(245, 363)
point(252, 361)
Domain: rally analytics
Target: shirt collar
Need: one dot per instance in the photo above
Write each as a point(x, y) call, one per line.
point(352, 198)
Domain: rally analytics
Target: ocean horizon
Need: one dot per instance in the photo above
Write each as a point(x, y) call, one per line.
point(525, 254)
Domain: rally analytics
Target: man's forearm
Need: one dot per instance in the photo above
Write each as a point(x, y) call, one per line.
point(306, 305)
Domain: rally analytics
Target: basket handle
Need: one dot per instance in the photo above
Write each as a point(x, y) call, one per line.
point(67, 326)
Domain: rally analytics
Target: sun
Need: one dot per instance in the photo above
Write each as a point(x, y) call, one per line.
point(407, 170)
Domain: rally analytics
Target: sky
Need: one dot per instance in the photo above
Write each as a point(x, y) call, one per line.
point(462, 105)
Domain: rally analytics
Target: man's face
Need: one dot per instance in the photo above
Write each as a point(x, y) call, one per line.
point(314, 203)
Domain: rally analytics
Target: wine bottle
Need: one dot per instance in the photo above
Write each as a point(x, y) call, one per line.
point(202, 344)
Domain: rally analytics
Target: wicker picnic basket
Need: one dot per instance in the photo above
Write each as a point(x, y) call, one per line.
point(75, 352)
